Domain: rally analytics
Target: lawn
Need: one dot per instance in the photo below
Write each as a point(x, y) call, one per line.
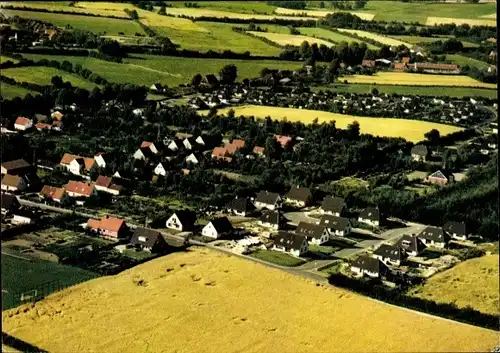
point(42, 76)
point(184, 302)
point(9, 91)
point(411, 90)
point(377, 37)
point(411, 79)
point(98, 8)
point(290, 39)
point(472, 283)
point(137, 255)
point(331, 36)
point(411, 130)
point(20, 275)
point(463, 60)
point(98, 25)
point(277, 258)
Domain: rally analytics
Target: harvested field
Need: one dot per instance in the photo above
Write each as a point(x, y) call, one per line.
point(290, 39)
point(431, 21)
point(257, 7)
point(411, 130)
point(201, 12)
point(472, 283)
point(493, 16)
point(332, 36)
point(411, 79)
point(320, 13)
point(377, 37)
point(101, 8)
point(418, 40)
point(204, 301)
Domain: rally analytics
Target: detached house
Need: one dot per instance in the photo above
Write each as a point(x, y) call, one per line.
point(433, 236)
point(240, 206)
point(333, 206)
point(258, 151)
point(221, 153)
point(182, 220)
point(293, 244)
point(411, 245)
point(389, 254)
point(283, 140)
point(148, 240)
point(365, 265)
point(160, 169)
point(217, 228)
point(104, 183)
point(108, 227)
point(420, 153)
point(314, 233)
point(338, 226)
point(80, 189)
point(193, 158)
point(10, 204)
point(16, 167)
point(99, 159)
point(175, 145)
point(370, 216)
point(55, 194)
point(23, 124)
point(456, 230)
point(269, 200)
point(78, 165)
point(272, 219)
point(299, 197)
point(13, 183)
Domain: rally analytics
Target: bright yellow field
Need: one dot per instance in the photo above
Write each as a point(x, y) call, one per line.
point(493, 16)
point(102, 8)
point(411, 130)
point(154, 20)
point(431, 21)
point(473, 282)
point(320, 13)
point(410, 79)
point(199, 12)
point(204, 301)
point(290, 39)
point(378, 38)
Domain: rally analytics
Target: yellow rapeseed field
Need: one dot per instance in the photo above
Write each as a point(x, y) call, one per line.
point(431, 21)
point(320, 13)
point(290, 39)
point(204, 301)
point(472, 283)
point(200, 12)
point(411, 130)
point(411, 79)
point(377, 37)
point(182, 24)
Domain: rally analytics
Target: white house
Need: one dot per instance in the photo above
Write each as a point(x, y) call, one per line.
point(433, 236)
point(174, 145)
point(314, 233)
point(193, 159)
point(337, 226)
point(456, 230)
point(217, 228)
point(182, 220)
point(269, 200)
point(189, 143)
point(99, 159)
point(389, 254)
point(160, 169)
point(13, 183)
point(271, 219)
point(293, 244)
point(23, 123)
point(370, 216)
point(22, 217)
point(365, 265)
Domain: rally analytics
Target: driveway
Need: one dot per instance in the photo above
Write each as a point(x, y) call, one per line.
point(295, 218)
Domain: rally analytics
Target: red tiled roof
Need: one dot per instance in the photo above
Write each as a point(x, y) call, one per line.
point(230, 148)
point(145, 144)
point(57, 115)
point(219, 152)
point(67, 158)
point(405, 59)
point(238, 143)
point(43, 126)
point(369, 63)
point(22, 121)
point(107, 223)
point(258, 150)
point(93, 223)
point(79, 187)
point(89, 163)
point(399, 66)
point(283, 140)
point(103, 181)
point(115, 187)
point(52, 192)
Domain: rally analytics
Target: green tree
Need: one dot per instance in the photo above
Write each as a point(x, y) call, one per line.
point(228, 74)
point(196, 80)
point(354, 130)
point(162, 11)
point(272, 148)
point(432, 136)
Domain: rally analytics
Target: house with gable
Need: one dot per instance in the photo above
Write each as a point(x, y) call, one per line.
point(105, 184)
point(13, 183)
point(370, 216)
point(10, 203)
point(99, 159)
point(456, 230)
point(269, 200)
point(439, 178)
point(298, 196)
point(108, 227)
point(434, 236)
point(293, 244)
point(16, 167)
point(23, 124)
point(175, 145)
point(337, 226)
point(148, 240)
point(217, 228)
point(365, 265)
point(412, 245)
point(53, 193)
point(193, 158)
point(78, 165)
point(80, 189)
point(240, 206)
point(160, 169)
point(283, 140)
point(333, 205)
point(272, 219)
point(182, 220)
point(221, 153)
point(388, 254)
point(420, 153)
point(315, 234)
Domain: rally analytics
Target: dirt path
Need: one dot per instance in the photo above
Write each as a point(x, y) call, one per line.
point(18, 257)
point(158, 71)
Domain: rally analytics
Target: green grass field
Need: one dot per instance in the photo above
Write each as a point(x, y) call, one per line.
point(6, 58)
point(173, 71)
point(233, 6)
point(103, 8)
point(426, 40)
point(377, 37)
point(463, 60)
point(10, 91)
point(332, 36)
point(20, 275)
point(277, 258)
point(109, 26)
point(412, 90)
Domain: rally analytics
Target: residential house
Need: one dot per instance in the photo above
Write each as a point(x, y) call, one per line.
point(405, 59)
point(338, 226)
point(143, 153)
point(16, 167)
point(150, 145)
point(182, 220)
point(175, 145)
point(368, 63)
point(108, 227)
point(298, 196)
point(388, 254)
point(314, 233)
point(105, 184)
point(217, 228)
point(412, 245)
point(370, 216)
point(258, 151)
point(419, 153)
point(221, 153)
point(210, 81)
point(238, 143)
point(182, 135)
point(78, 165)
point(160, 169)
point(158, 87)
point(43, 126)
point(333, 206)
point(365, 265)
point(456, 230)
point(197, 103)
point(400, 67)
point(57, 115)
point(439, 178)
point(57, 125)
point(23, 123)
point(269, 200)
point(190, 143)
point(80, 189)
point(283, 140)
point(293, 244)
point(272, 219)
point(10, 204)
point(433, 236)
point(240, 206)
point(148, 240)
point(208, 141)
point(99, 159)
point(13, 183)
point(23, 216)
point(193, 158)
point(53, 193)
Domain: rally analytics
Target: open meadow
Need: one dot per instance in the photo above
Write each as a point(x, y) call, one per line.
point(252, 7)
point(472, 283)
point(377, 37)
point(9, 91)
point(331, 36)
point(464, 60)
point(413, 79)
point(204, 301)
point(100, 8)
point(320, 13)
point(426, 40)
point(411, 130)
point(431, 21)
point(290, 39)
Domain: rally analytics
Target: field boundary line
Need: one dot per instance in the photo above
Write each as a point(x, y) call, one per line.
point(158, 71)
point(18, 257)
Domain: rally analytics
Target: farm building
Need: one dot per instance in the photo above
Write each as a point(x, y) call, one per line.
point(456, 230)
point(240, 206)
point(365, 265)
point(333, 206)
point(13, 183)
point(217, 228)
point(434, 236)
point(148, 240)
point(269, 200)
point(16, 167)
point(389, 254)
point(108, 227)
point(293, 244)
point(439, 178)
point(437, 68)
point(370, 216)
point(314, 233)
point(411, 245)
point(338, 226)
point(272, 219)
point(298, 196)
point(23, 216)
point(182, 220)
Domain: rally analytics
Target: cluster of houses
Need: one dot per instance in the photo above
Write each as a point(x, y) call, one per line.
point(43, 122)
point(18, 175)
point(405, 64)
point(12, 209)
point(387, 256)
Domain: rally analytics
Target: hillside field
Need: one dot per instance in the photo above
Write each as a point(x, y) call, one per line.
point(377, 37)
point(472, 283)
point(431, 21)
point(463, 60)
point(320, 13)
point(9, 91)
point(290, 39)
point(413, 79)
point(101, 8)
point(185, 302)
point(332, 36)
point(411, 130)
point(425, 40)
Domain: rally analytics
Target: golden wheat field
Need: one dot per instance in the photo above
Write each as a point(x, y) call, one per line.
point(431, 21)
point(378, 38)
point(411, 79)
point(320, 13)
point(204, 301)
point(152, 19)
point(102, 8)
point(290, 39)
point(200, 12)
point(411, 130)
point(472, 283)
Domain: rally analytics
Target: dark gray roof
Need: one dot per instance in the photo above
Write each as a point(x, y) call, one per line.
point(186, 217)
point(369, 263)
point(272, 217)
point(394, 253)
point(333, 204)
point(240, 204)
point(334, 222)
point(455, 227)
point(16, 164)
point(152, 237)
point(432, 233)
point(415, 243)
point(267, 197)
point(289, 240)
point(222, 224)
point(300, 194)
point(310, 230)
point(370, 213)
point(420, 150)
point(9, 202)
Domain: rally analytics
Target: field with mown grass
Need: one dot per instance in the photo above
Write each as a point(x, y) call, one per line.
point(258, 7)
point(42, 75)
point(97, 8)
point(414, 79)
point(431, 21)
point(9, 91)
point(290, 39)
point(463, 60)
point(411, 130)
point(379, 38)
point(332, 36)
point(4, 58)
point(213, 297)
point(148, 69)
point(474, 283)
point(98, 25)
point(425, 40)
point(320, 13)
